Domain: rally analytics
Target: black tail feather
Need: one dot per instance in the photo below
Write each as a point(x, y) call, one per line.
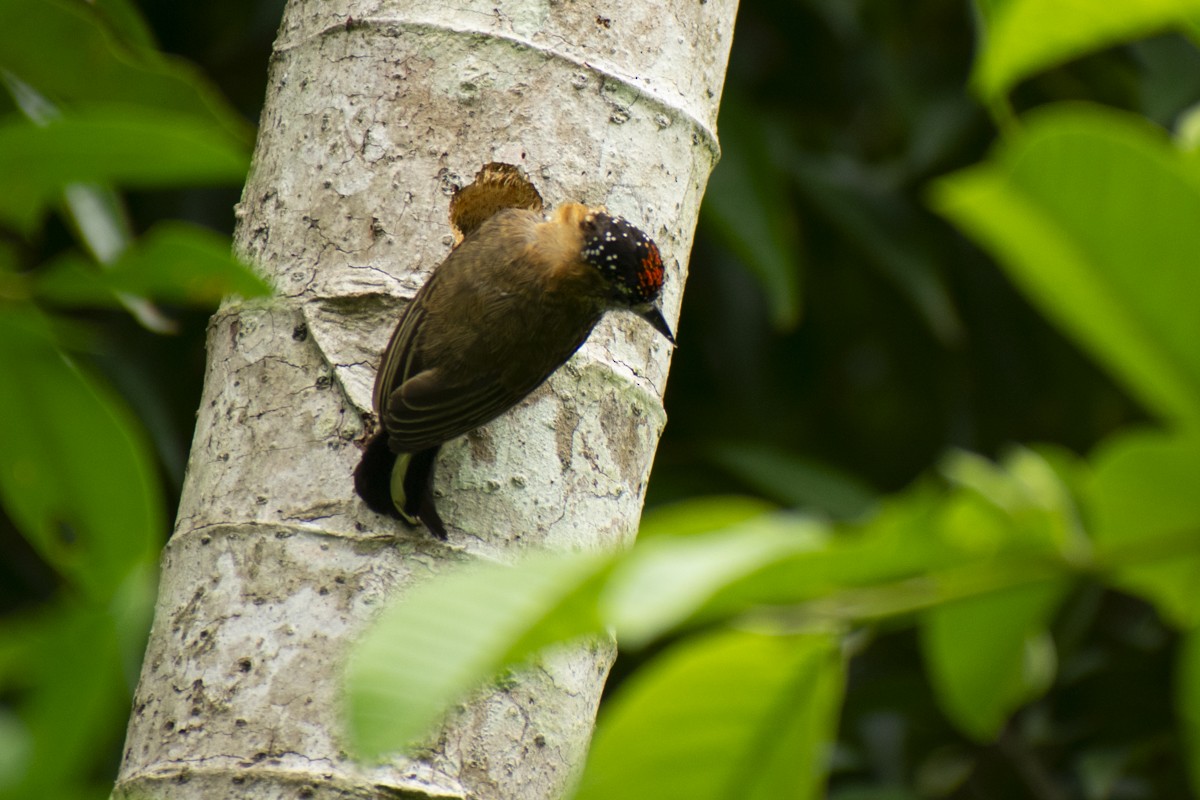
point(373, 477)
point(418, 491)
point(373, 483)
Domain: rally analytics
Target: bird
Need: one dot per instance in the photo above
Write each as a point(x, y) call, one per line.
point(520, 292)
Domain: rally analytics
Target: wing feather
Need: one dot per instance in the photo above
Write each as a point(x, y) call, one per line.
point(444, 373)
point(397, 364)
point(449, 410)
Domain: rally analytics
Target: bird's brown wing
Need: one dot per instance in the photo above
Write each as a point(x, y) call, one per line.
point(441, 411)
point(405, 356)
point(461, 356)
point(427, 409)
point(396, 366)
point(419, 401)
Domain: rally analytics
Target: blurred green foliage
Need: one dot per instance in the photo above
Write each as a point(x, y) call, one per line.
point(91, 108)
point(1008, 624)
point(850, 582)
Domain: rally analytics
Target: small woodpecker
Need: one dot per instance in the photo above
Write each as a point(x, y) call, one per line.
point(516, 297)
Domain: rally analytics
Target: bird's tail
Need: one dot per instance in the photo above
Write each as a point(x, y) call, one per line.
point(373, 477)
point(412, 489)
point(399, 486)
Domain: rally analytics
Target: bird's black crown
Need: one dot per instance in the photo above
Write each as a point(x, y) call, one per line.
point(627, 258)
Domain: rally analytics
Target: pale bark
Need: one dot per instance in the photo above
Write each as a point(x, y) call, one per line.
point(374, 111)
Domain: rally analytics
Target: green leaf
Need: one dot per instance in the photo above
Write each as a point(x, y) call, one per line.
point(1036, 509)
point(76, 473)
point(126, 23)
point(174, 262)
point(990, 9)
point(1028, 36)
point(71, 699)
point(1000, 528)
point(130, 147)
point(448, 635)
point(700, 515)
point(15, 746)
point(795, 481)
point(989, 655)
point(90, 68)
point(664, 581)
point(95, 211)
point(1093, 213)
point(904, 539)
point(748, 206)
point(97, 214)
point(1142, 496)
point(1187, 703)
point(1187, 132)
point(730, 714)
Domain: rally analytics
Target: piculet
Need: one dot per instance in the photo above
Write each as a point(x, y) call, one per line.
point(512, 302)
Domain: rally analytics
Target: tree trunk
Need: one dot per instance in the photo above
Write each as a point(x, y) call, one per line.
point(375, 109)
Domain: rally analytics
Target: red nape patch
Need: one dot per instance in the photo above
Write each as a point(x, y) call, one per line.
point(650, 277)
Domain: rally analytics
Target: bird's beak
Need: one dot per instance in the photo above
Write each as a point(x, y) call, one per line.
point(653, 314)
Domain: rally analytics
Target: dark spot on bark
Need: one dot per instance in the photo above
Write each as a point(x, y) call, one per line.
point(622, 429)
point(483, 450)
point(564, 434)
